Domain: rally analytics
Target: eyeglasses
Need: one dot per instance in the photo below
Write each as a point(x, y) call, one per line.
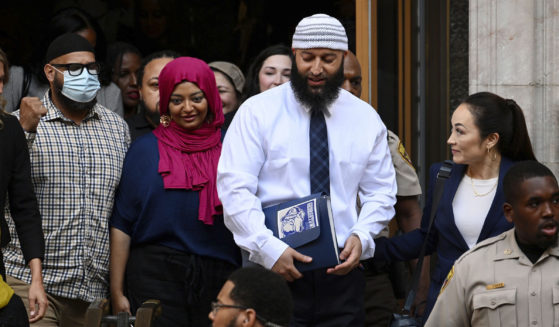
point(75, 69)
point(216, 306)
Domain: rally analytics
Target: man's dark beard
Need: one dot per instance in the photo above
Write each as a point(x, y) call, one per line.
point(68, 103)
point(318, 102)
point(151, 117)
point(549, 243)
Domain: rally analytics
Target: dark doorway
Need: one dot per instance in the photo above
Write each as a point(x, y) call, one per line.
point(232, 30)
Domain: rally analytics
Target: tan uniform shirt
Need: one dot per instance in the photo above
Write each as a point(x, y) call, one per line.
point(495, 284)
point(406, 178)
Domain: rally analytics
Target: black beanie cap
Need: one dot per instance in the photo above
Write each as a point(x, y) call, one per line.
point(67, 43)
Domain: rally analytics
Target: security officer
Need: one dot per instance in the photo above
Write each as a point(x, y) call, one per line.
point(510, 279)
point(382, 278)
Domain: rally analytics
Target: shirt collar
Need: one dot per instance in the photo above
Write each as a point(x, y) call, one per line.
point(554, 251)
point(305, 107)
point(294, 98)
point(53, 113)
point(509, 249)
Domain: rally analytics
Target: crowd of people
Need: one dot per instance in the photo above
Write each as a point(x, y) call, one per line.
point(134, 176)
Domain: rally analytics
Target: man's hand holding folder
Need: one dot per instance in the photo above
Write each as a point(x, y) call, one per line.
point(285, 267)
point(350, 256)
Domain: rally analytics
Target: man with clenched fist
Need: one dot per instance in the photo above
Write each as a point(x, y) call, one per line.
point(77, 148)
point(30, 113)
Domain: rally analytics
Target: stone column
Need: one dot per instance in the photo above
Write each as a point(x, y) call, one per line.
point(514, 52)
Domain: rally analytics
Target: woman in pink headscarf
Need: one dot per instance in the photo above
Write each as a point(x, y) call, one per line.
point(168, 240)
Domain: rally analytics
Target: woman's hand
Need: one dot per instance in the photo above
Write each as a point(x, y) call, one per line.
point(120, 303)
point(38, 301)
point(120, 249)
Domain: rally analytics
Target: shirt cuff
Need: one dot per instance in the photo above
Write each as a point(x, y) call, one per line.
point(30, 137)
point(367, 248)
point(269, 253)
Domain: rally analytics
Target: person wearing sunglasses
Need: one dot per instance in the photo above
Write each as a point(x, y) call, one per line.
point(252, 296)
point(76, 148)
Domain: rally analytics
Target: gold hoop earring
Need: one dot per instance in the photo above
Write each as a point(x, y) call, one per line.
point(165, 120)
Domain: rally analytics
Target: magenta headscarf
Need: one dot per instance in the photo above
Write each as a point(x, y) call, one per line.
point(188, 159)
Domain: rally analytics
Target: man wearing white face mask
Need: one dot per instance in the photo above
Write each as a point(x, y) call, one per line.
point(77, 148)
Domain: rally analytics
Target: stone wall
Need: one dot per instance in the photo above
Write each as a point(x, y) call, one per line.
point(514, 52)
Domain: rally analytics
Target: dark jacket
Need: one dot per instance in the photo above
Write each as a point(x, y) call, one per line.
point(15, 184)
point(445, 238)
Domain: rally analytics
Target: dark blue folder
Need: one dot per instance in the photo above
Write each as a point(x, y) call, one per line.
point(307, 225)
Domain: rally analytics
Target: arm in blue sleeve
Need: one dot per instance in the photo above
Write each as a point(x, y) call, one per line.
point(128, 199)
point(408, 246)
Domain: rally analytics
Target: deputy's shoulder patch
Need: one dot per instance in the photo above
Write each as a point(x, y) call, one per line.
point(447, 280)
point(404, 154)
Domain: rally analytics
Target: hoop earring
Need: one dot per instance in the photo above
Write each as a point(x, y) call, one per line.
point(165, 120)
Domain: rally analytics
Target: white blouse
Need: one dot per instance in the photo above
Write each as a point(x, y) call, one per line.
point(471, 204)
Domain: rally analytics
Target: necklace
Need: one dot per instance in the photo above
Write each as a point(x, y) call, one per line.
point(476, 193)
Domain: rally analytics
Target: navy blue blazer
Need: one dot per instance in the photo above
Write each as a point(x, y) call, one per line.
point(445, 238)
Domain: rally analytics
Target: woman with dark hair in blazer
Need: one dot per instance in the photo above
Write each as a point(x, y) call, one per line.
point(488, 135)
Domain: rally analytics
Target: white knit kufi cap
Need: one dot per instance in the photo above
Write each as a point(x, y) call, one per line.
point(320, 31)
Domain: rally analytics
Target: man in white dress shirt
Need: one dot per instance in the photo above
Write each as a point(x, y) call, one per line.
point(266, 160)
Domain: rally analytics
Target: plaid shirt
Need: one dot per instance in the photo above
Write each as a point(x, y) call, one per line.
point(75, 171)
